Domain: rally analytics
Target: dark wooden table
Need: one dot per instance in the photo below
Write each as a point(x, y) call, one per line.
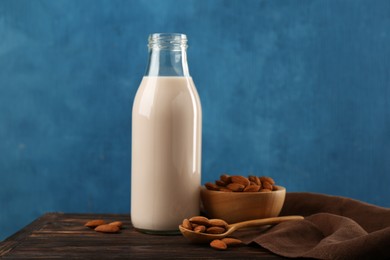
point(59, 235)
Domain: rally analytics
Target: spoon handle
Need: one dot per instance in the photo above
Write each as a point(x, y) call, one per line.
point(263, 221)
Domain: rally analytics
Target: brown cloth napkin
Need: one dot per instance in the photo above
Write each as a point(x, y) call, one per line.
point(333, 228)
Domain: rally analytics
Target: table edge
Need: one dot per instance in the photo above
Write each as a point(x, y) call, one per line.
point(8, 244)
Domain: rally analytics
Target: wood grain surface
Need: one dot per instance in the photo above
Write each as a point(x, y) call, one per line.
point(60, 235)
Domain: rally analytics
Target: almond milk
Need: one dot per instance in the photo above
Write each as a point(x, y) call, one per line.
point(166, 153)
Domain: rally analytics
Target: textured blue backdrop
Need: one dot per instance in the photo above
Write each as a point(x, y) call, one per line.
point(298, 90)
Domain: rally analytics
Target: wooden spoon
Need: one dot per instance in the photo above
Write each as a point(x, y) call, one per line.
point(196, 237)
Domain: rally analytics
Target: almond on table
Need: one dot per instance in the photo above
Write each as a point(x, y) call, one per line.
point(106, 228)
point(94, 223)
point(101, 225)
point(229, 241)
point(218, 244)
point(116, 223)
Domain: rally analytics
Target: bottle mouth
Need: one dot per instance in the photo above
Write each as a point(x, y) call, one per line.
point(169, 41)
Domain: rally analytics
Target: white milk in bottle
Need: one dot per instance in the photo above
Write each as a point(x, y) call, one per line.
point(166, 140)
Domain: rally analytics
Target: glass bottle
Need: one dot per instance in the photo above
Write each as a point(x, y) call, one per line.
point(166, 139)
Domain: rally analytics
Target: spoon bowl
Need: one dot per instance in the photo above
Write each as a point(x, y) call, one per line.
point(196, 237)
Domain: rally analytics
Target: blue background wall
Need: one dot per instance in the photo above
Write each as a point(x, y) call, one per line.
point(298, 90)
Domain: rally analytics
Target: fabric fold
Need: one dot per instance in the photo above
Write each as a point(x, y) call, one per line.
point(334, 228)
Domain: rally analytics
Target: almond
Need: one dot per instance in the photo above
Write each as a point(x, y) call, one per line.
point(211, 186)
point(215, 230)
point(186, 224)
point(229, 241)
point(200, 220)
point(225, 178)
point(218, 223)
point(267, 179)
point(267, 185)
point(106, 228)
point(220, 183)
point(94, 223)
point(200, 229)
point(225, 189)
point(235, 187)
point(116, 223)
point(252, 188)
point(265, 190)
point(240, 180)
point(218, 244)
point(255, 179)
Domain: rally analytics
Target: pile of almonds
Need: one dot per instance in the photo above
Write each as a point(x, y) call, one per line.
point(202, 224)
point(238, 183)
point(224, 243)
point(100, 225)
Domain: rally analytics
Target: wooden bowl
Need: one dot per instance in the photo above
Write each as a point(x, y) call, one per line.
point(240, 206)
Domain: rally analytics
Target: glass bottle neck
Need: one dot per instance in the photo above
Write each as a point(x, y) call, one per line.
point(167, 55)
